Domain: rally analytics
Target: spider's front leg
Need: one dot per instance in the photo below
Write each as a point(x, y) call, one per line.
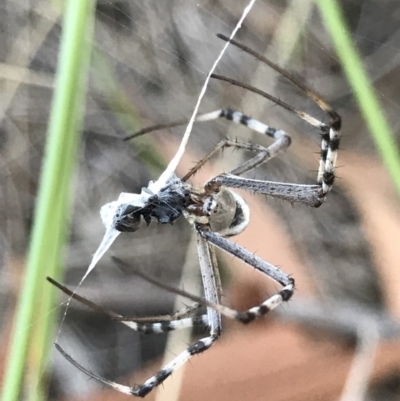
point(310, 195)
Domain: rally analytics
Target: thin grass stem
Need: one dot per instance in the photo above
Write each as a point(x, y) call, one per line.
point(53, 203)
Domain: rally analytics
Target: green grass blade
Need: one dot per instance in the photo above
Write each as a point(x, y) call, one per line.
point(362, 88)
point(53, 203)
point(42, 343)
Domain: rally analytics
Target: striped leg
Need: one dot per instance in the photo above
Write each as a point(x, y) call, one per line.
point(330, 133)
point(330, 140)
point(281, 142)
point(181, 314)
point(281, 139)
point(145, 325)
point(141, 390)
point(259, 264)
point(166, 326)
point(311, 195)
point(211, 283)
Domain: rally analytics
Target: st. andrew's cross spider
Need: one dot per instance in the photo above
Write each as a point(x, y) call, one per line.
point(216, 213)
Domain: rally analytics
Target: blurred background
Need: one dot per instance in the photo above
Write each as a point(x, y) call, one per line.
point(337, 339)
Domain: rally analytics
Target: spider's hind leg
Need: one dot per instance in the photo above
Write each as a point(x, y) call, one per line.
point(144, 325)
point(210, 239)
point(141, 390)
point(259, 264)
point(211, 285)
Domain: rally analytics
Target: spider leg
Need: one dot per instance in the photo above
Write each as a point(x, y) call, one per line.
point(141, 390)
point(211, 283)
point(183, 313)
point(145, 325)
point(310, 195)
point(282, 140)
point(259, 264)
point(330, 133)
point(308, 91)
point(213, 115)
point(264, 267)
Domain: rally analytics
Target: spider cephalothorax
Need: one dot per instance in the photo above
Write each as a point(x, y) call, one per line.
point(220, 209)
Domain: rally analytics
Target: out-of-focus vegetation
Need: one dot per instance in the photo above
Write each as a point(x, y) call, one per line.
point(148, 63)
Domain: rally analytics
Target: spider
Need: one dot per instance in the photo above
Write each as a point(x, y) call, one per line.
point(216, 213)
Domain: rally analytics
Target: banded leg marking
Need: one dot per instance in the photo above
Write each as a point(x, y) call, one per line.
point(211, 285)
point(141, 390)
point(261, 265)
point(264, 267)
point(281, 142)
point(145, 325)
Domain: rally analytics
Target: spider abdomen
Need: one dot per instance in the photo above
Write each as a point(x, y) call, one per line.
point(231, 215)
